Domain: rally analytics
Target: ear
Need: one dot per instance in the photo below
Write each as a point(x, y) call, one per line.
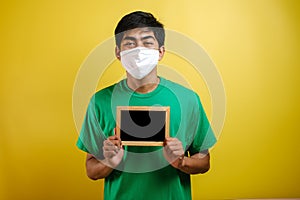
point(117, 53)
point(161, 52)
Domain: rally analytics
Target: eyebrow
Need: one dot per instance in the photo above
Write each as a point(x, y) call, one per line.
point(148, 37)
point(129, 38)
point(143, 38)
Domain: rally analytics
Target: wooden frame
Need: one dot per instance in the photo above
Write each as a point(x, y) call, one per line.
point(159, 111)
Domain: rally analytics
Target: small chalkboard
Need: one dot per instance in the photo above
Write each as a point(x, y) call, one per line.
point(143, 125)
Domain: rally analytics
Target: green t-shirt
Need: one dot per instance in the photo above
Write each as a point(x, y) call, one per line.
point(143, 172)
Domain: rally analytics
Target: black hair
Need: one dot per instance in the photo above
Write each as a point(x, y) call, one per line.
point(140, 19)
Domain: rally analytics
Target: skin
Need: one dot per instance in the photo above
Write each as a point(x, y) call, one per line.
point(173, 149)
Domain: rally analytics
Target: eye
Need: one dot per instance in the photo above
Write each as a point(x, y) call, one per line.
point(148, 43)
point(128, 44)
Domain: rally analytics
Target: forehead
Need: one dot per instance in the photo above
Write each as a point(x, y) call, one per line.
point(136, 32)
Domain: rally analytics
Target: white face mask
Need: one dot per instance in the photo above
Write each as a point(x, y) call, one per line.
point(140, 61)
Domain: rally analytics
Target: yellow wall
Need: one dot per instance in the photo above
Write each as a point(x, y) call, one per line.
point(255, 45)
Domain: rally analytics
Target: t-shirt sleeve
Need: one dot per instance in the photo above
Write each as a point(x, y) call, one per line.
point(81, 146)
point(91, 136)
point(204, 137)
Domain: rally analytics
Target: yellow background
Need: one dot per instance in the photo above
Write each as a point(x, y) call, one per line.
point(255, 45)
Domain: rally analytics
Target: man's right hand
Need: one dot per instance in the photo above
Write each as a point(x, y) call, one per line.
point(113, 151)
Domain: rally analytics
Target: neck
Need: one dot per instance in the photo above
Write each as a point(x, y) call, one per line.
point(144, 85)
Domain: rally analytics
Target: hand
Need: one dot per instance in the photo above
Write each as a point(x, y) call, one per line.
point(174, 152)
point(113, 151)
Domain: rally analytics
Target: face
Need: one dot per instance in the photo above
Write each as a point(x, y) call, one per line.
point(139, 37)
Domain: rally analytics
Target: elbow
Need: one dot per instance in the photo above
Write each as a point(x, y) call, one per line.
point(205, 165)
point(204, 169)
point(94, 168)
point(93, 175)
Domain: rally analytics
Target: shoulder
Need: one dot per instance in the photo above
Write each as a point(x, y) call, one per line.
point(179, 89)
point(107, 91)
point(103, 96)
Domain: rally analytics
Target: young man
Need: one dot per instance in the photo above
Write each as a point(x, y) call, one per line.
point(133, 172)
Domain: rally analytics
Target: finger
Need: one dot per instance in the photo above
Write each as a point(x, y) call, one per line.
point(117, 143)
point(111, 148)
point(172, 141)
point(178, 153)
point(109, 154)
point(174, 147)
point(174, 154)
point(108, 143)
point(174, 144)
point(112, 141)
point(115, 140)
point(167, 150)
point(114, 137)
point(173, 150)
point(169, 139)
point(111, 151)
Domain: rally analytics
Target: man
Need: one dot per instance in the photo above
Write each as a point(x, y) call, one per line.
point(139, 47)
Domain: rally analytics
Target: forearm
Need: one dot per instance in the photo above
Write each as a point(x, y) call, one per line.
point(113, 154)
point(96, 169)
point(195, 164)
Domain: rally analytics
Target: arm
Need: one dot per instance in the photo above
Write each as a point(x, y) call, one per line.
point(195, 164)
point(96, 169)
point(113, 154)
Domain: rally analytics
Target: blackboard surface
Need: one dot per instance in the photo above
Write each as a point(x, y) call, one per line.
point(144, 125)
